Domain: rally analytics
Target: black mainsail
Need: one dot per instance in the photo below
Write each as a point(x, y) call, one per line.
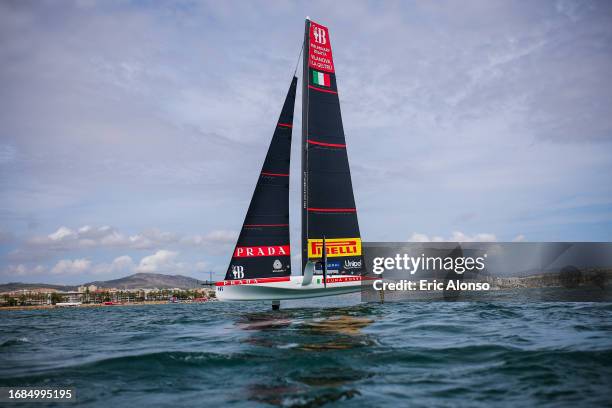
point(263, 249)
point(328, 205)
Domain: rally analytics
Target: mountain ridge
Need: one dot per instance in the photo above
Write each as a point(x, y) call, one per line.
point(141, 280)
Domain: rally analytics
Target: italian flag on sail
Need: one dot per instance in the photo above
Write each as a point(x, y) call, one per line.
point(320, 78)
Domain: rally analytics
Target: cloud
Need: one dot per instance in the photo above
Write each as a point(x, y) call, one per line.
point(71, 267)
point(215, 242)
point(416, 237)
point(62, 234)
point(123, 262)
point(93, 237)
point(480, 237)
point(160, 261)
point(456, 236)
point(20, 270)
point(76, 270)
point(122, 265)
point(88, 237)
point(165, 261)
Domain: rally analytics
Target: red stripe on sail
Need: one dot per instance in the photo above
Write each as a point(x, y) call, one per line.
point(266, 225)
point(314, 142)
point(332, 209)
point(263, 173)
point(288, 125)
point(323, 90)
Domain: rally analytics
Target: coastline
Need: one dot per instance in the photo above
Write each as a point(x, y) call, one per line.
point(50, 307)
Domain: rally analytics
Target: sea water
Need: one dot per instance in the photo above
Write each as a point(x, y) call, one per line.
point(320, 352)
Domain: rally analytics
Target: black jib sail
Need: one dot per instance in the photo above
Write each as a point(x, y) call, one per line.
point(262, 250)
point(328, 205)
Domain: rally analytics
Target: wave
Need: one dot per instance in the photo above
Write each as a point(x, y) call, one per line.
point(510, 357)
point(172, 360)
point(14, 342)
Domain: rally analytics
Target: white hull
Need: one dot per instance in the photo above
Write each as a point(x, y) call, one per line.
point(286, 288)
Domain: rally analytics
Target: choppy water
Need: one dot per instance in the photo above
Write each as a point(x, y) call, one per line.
point(242, 354)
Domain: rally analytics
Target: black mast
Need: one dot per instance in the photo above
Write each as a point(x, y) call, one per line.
point(305, 82)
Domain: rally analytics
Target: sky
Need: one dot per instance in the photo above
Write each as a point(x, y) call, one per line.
point(132, 132)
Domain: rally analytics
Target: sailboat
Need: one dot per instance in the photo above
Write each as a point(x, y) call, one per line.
point(332, 256)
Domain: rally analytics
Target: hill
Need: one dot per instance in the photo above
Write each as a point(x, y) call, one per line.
point(13, 286)
point(135, 281)
point(149, 281)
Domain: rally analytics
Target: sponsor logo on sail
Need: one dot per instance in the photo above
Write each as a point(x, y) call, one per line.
point(254, 251)
point(319, 48)
point(238, 271)
point(278, 267)
point(319, 34)
point(336, 247)
point(352, 264)
point(331, 265)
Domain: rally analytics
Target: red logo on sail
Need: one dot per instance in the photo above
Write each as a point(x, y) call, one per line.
point(336, 247)
point(248, 252)
point(319, 49)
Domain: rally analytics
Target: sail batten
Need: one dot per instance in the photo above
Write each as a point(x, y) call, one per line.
point(328, 205)
point(263, 246)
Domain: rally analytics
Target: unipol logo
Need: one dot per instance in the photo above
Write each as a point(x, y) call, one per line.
point(352, 264)
point(238, 271)
point(319, 35)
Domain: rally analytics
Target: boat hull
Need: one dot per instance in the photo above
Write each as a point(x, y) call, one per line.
point(286, 288)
